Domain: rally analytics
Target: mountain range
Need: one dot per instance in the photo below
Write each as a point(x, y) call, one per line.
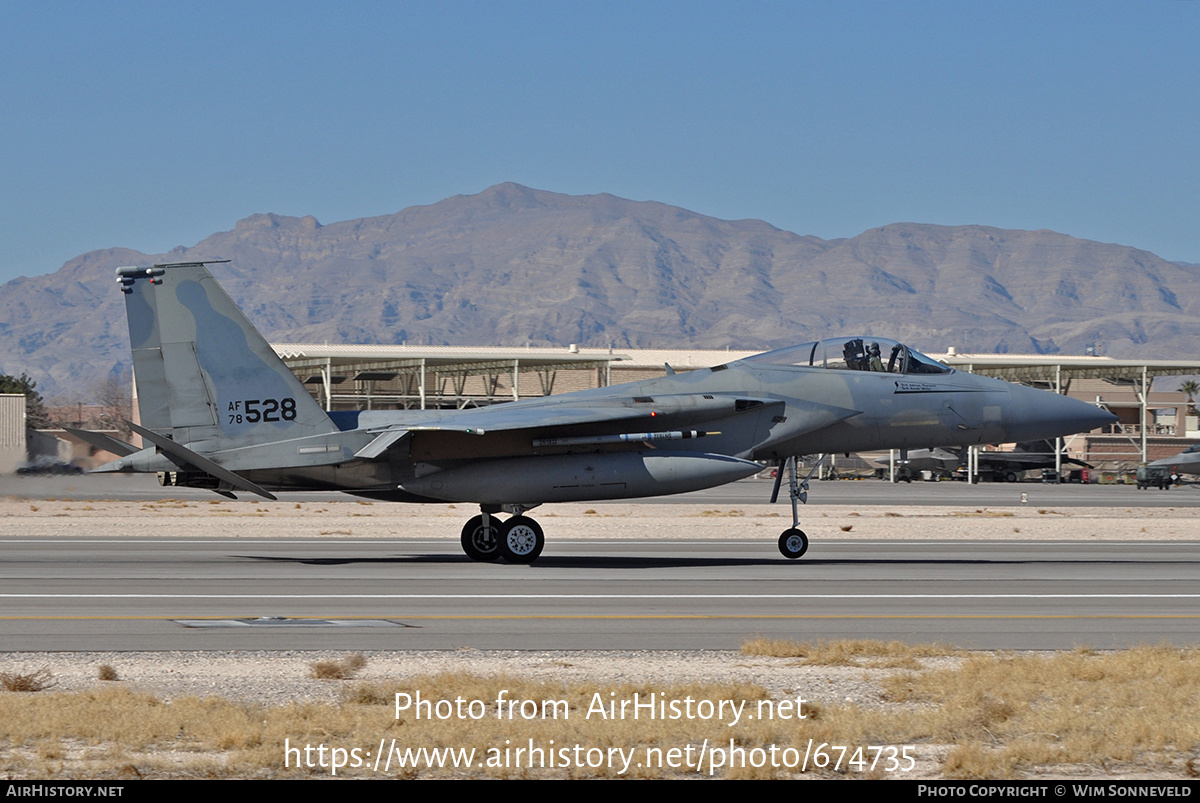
point(514, 266)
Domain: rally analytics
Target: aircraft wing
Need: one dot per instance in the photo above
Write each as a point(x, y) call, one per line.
point(575, 418)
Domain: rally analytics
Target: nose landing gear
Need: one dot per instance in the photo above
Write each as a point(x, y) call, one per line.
point(793, 543)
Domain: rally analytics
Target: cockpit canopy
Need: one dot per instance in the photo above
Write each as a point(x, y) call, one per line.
point(854, 354)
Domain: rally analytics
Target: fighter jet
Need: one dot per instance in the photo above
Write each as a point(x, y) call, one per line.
point(220, 410)
point(1007, 466)
point(1186, 462)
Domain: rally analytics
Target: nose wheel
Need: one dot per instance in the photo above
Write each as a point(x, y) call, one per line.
point(793, 543)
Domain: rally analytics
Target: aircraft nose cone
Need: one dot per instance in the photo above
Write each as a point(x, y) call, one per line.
point(1041, 414)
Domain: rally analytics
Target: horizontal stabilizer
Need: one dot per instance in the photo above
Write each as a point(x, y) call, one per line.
point(199, 462)
point(105, 443)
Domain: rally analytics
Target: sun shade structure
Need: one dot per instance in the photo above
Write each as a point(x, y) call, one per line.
point(446, 377)
point(343, 376)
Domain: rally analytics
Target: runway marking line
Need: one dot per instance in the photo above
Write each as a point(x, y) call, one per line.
point(599, 596)
point(424, 617)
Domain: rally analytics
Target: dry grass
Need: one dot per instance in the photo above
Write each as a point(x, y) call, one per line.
point(113, 731)
point(38, 680)
point(344, 669)
point(107, 672)
point(968, 715)
point(1011, 714)
point(849, 652)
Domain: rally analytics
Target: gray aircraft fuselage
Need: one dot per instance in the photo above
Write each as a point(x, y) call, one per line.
point(220, 410)
point(791, 410)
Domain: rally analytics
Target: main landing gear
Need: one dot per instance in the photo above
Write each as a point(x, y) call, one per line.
point(793, 543)
point(520, 538)
point(517, 540)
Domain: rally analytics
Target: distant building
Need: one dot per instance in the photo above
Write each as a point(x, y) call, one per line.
point(13, 450)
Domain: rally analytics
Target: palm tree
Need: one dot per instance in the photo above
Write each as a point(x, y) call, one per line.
point(1190, 389)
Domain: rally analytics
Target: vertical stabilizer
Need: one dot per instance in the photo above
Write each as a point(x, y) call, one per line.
point(204, 374)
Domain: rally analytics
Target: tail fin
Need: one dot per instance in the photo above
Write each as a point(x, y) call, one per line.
point(203, 372)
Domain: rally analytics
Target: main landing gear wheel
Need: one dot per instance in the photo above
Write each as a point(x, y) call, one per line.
point(521, 540)
point(793, 543)
point(480, 542)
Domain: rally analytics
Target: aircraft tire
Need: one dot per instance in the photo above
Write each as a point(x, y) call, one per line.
point(793, 543)
point(521, 540)
point(479, 543)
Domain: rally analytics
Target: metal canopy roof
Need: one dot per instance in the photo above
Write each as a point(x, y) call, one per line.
point(481, 360)
point(1051, 368)
point(408, 375)
point(448, 359)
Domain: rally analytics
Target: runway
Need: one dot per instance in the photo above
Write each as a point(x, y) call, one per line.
point(116, 563)
point(181, 593)
point(141, 487)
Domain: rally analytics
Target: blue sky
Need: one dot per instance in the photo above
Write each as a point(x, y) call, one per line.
point(151, 125)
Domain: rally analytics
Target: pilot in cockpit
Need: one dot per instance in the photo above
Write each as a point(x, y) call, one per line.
point(874, 361)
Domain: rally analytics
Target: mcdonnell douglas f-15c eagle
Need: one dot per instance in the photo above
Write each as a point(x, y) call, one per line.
point(220, 410)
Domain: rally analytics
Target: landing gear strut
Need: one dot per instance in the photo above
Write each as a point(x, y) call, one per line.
point(793, 543)
point(518, 540)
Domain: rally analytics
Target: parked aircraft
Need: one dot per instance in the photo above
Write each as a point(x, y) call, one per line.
point(220, 410)
point(1186, 462)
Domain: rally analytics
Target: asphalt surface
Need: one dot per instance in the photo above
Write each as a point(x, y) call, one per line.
point(180, 593)
point(139, 595)
point(840, 492)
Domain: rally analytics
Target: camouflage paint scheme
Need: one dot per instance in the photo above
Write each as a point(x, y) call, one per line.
point(220, 410)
